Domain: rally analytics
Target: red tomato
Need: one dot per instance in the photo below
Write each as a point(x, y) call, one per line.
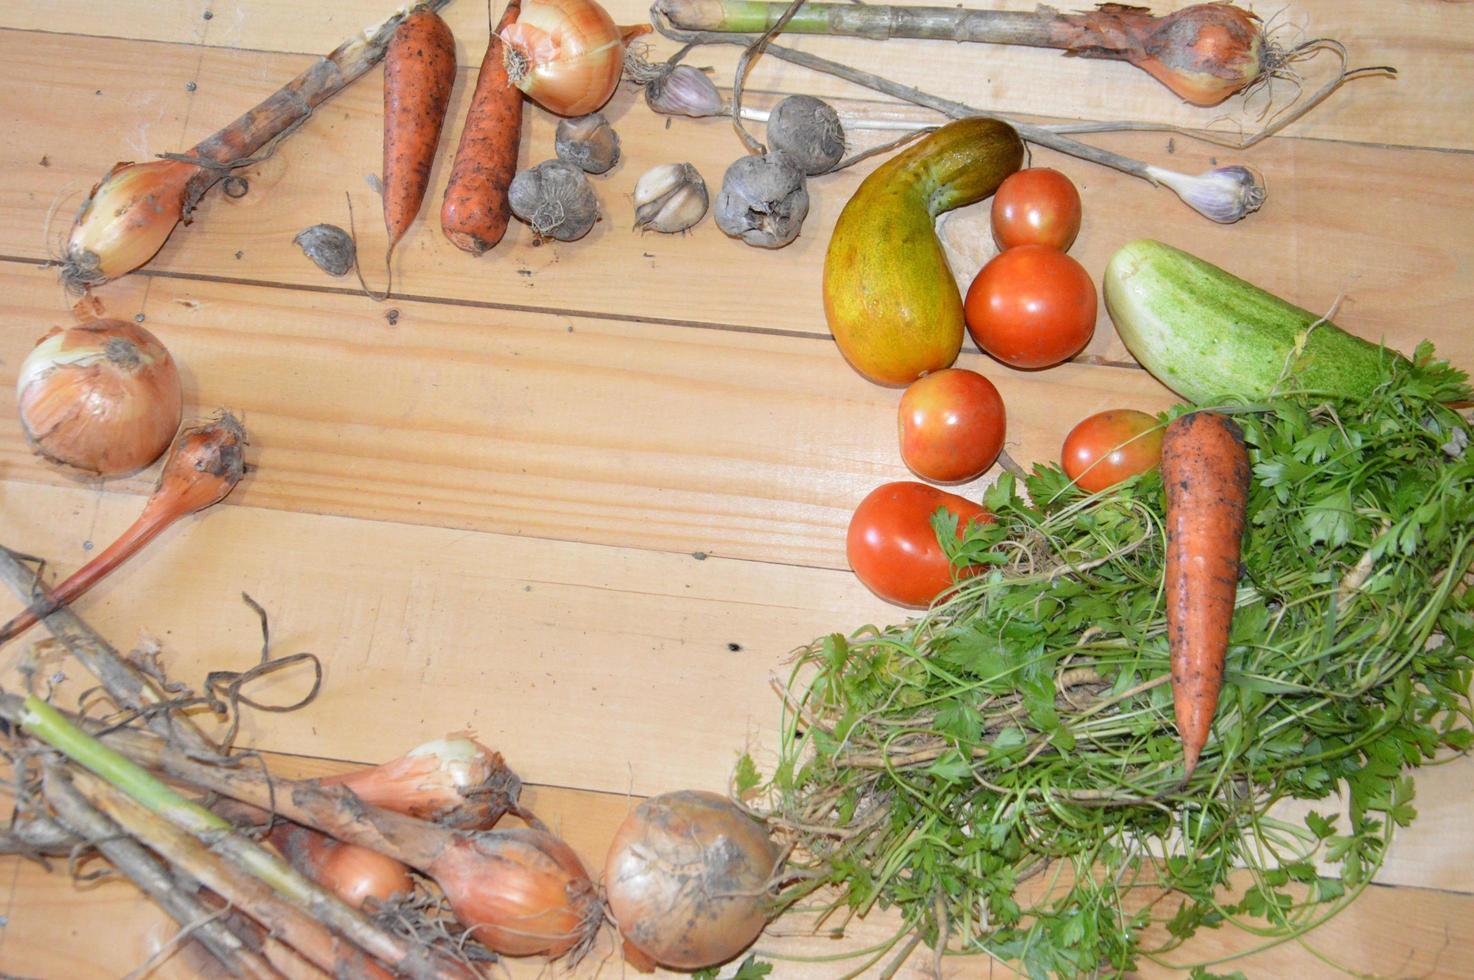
point(951, 425)
point(1110, 447)
point(1031, 307)
point(1038, 206)
point(891, 544)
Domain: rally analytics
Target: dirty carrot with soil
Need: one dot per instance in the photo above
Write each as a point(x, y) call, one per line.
point(419, 71)
point(477, 211)
point(1205, 470)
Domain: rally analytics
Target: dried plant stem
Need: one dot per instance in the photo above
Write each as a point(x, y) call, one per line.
point(1041, 135)
point(130, 858)
point(331, 809)
point(295, 927)
point(49, 725)
point(126, 686)
point(38, 837)
point(290, 105)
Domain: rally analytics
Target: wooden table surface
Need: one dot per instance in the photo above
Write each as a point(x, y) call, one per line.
point(584, 498)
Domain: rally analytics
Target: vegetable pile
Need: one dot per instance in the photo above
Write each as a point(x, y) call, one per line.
point(1071, 761)
point(1004, 769)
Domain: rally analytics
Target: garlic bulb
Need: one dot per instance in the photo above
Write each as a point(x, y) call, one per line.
point(670, 198)
point(588, 142)
point(555, 199)
point(1224, 194)
point(807, 131)
point(763, 200)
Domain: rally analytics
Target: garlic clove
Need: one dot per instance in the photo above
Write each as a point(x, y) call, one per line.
point(670, 198)
point(684, 91)
point(329, 247)
point(587, 142)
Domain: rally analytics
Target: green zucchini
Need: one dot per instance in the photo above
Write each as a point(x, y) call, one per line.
point(1208, 335)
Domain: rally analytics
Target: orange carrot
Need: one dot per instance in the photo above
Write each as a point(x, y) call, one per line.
point(477, 210)
point(419, 70)
point(1206, 473)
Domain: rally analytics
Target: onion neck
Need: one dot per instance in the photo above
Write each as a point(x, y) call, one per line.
point(152, 521)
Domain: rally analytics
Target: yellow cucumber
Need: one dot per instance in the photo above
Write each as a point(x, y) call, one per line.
point(889, 295)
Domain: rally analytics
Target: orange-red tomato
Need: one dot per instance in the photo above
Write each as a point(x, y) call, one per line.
point(951, 425)
point(1112, 446)
point(1031, 307)
point(1038, 206)
point(891, 544)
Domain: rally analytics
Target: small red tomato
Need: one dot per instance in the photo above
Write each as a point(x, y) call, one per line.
point(1031, 307)
point(951, 425)
point(891, 544)
point(1110, 447)
point(1038, 206)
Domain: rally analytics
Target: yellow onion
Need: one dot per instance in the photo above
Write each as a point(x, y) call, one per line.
point(102, 396)
point(455, 781)
point(567, 55)
point(125, 220)
point(1204, 53)
point(520, 892)
point(687, 879)
point(354, 874)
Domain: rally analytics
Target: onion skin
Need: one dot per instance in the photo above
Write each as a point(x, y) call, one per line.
point(521, 892)
point(103, 397)
point(353, 873)
point(126, 219)
point(686, 877)
point(456, 782)
point(567, 55)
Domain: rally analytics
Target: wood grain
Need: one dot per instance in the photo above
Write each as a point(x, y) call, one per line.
point(1428, 41)
point(1404, 931)
point(586, 498)
point(638, 435)
point(1383, 227)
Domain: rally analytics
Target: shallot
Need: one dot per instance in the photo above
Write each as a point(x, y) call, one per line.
point(204, 465)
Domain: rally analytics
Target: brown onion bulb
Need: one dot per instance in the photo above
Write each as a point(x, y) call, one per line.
point(454, 781)
point(687, 878)
point(567, 55)
point(521, 892)
point(103, 397)
point(354, 874)
point(126, 219)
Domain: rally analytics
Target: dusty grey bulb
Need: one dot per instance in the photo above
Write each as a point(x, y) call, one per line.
point(555, 198)
point(587, 142)
point(763, 201)
point(329, 247)
point(807, 131)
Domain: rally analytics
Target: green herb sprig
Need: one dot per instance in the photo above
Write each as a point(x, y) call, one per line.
point(1005, 769)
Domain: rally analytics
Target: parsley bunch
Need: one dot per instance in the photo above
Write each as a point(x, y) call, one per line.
point(1005, 769)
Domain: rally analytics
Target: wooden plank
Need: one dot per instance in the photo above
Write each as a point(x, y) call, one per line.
point(1400, 252)
point(580, 663)
point(1428, 42)
point(1409, 931)
point(645, 436)
point(57, 929)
